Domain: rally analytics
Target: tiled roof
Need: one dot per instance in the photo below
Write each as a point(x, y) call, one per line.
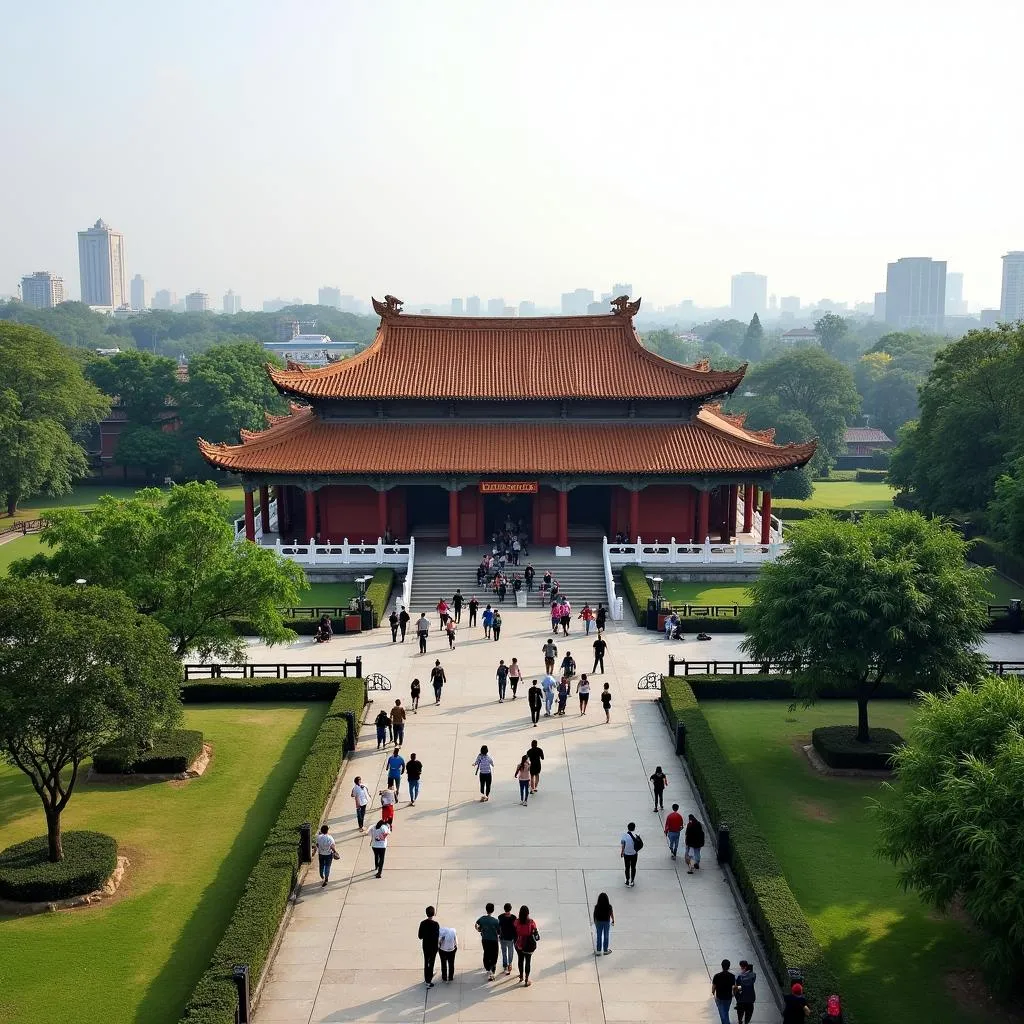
point(513, 358)
point(864, 435)
point(306, 444)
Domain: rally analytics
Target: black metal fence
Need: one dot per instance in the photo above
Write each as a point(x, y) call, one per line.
point(682, 667)
point(996, 612)
point(250, 670)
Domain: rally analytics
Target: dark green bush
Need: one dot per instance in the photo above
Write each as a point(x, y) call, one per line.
point(713, 624)
point(838, 747)
point(379, 592)
point(26, 874)
point(774, 909)
point(303, 627)
point(636, 591)
point(172, 752)
point(246, 691)
point(872, 475)
point(257, 915)
point(881, 459)
point(773, 687)
point(987, 552)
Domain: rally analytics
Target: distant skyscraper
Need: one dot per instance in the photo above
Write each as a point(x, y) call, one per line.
point(233, 303)
point(164, 299)
point(197, 302)
point(749, 295)
point(473, 305)
point(575, 303)
point(621, 289)
point(42, 290)
point(101, 266)
point(789, 304)
point(456, 307)
point(329, 297)
point(495, 307)
point(879, 306)
point(955, 304)
point(1011, 300)
point(915, 293)
point(527, 308)
point(138, 292)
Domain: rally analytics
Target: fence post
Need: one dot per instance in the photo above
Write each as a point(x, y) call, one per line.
point(349, 743)
point(240, 976)
point(305, 843)
point(346, 552)
point(724, 844)
point(671, 664)
point(672, 551)
point(359, 666)
point(680, 739)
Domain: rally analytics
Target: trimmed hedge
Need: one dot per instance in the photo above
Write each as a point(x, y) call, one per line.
point(172, 752)
point(247, 691)
point(776, 913)
point(27, 875)
point(838, 747)
point(378, 593)
point(254, 924)
point(772, 687)
point(872, 475)
point(713, 624)
point(637, 591)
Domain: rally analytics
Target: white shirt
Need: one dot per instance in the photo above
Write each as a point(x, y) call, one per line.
point(324, 844)
point(446, 939)
point(548, 683)
point(379, 837)
point(362, 795)
point(630, 849)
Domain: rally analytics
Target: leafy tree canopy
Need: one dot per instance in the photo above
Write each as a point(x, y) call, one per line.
point(44, 400)
point(1006, 509)
point(175, 556)
point(889, 393)
point(889, 599)
point(79, 667)
point(753, 340)
point(729, 334)
point(141, 383)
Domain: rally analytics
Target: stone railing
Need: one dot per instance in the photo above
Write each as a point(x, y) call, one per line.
point(407, 583)
point(673, 553)
point(240, 523)
point(614, 601)
point(328, 553)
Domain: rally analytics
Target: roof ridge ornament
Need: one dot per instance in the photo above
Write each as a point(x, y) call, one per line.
point(621, 306)
point(388, 308)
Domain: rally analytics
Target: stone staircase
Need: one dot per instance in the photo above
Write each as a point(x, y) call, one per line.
point(435, 575)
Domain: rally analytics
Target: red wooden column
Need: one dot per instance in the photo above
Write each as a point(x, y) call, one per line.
point(703, 516)
point(563, 519)
point(265, 508)
point(766, 517)
point(748, 508)
point(382, 513)
point(634, 516)
point(453, 519)
point(734, 493)
point(250, 517)
point(310, 516)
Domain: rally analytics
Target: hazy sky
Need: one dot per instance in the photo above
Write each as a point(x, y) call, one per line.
point(520, 149)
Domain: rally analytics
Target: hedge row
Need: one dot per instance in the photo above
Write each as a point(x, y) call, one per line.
point(637, 591)
point(776, 913)
point(257, 915)
point(839, 747)
point(26, 873)
point(772, 687)
point(172, 752)
point(379, 592)
point(872, 475)
point(246, 691)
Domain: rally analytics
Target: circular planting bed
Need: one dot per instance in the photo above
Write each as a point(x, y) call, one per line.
point(838, 747)
point(27, 876)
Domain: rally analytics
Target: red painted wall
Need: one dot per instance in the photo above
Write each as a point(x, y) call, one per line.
point(347, 511)
point(471, 516)
point(398, 519)
point(620, 511)
point(545, 516)
point(666, 510)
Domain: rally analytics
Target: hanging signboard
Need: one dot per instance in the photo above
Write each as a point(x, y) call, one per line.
point(508, 487)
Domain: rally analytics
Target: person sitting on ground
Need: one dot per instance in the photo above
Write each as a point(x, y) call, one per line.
point(670, 625)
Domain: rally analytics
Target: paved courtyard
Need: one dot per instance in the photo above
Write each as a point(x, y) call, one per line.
point(350, 952)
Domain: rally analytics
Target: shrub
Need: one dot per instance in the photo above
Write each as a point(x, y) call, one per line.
point(257, 915)
point(27, 875)
point(246, 691)
point(872, 475)
point(637, 591)
point(838, 747)
point(880, 459)
point(775, 911)
point(712, 624)
point(172, 752)
point(772, 687)
point(378, 593)
point(302, 627)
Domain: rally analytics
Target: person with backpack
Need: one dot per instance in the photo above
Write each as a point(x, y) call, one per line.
point(568, 665)
point(496, 625)
point(382, 722)
point(502, 676)
point(488, 927)
point(437, 680)
point(630, 846)
point(414, 696)
point(694, 839)
point(527, 937)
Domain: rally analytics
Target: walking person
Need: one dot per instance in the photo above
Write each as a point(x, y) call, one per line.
point(694, 839)
point(523, 775)
point(489, 929)
point(447, 947)
point(549, 685)
point(604, 918)
point(556, 614)
point(387, 804)
point(486, 619)
point(379, 844)
point(457, 605)
point(535, 698)
point(422, 630)
point(398, 721)
point(659, 780)
point(600, 646)
point(568, 665)
point(606, 703)
point(437, 680)
point(583, 690)
point(396, 769)
point(382, 722)
point(515, 674)
point(403, 622)
point(630, 846)
point(564, 689)
point(527, 937)
point(496, 624)
point(745, 997)
point(393, 623)
point(600, 617)
point(326, 853)
point(673, 828)
point(535, 755)
point(794, 1006)
point(528, 573)
point(428, 935)
point(450, 631)
point(474, 604)
point(587, 615)
point(507, 937)
point(413, 771)
point(484, 765)
point(443, 612)
point(565, 616)
point(361, 796)
point(722, 985)
point(550, 652)
point(502, 676)
point(414, 695)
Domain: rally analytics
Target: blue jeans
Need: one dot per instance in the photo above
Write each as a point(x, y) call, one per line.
point(604, 931)
point(508, 952)
point(325, 865)
point(399, 732)
point(723, 1008)
point(397, 779)
point(524, 790)
point(414, 789)
point(673, 842)
point(549, 699)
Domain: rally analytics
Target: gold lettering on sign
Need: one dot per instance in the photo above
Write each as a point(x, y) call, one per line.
point(509, 486)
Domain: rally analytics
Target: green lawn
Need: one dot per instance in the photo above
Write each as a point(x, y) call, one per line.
point(841, 494)
point(22, 547)
point(1001, 588)
point(676, 592)
point(327, 595)
point(191, 847)
point(892, 954)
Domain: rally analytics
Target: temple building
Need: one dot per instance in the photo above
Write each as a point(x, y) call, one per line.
point(565, 423)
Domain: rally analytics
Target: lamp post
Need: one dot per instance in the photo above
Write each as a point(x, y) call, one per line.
point(362, 582)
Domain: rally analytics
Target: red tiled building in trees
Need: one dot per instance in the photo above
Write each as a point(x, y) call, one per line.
point(563, 422)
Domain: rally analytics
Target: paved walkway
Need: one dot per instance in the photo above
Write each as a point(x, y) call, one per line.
point(351, 953)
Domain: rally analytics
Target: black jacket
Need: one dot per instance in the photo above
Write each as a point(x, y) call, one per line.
point(428, 934)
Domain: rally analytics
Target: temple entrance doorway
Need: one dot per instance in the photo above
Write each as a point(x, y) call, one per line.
point(427, 510)
point(590, 511)
point(508, 511)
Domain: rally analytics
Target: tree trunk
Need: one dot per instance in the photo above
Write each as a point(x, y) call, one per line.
point(12, 504)
point(863, 735)
point(53, 835)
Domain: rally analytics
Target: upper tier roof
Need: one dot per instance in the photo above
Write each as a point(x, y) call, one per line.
point(510, 358)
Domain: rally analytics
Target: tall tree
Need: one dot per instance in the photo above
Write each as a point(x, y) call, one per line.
point(44, 400)
point(888, 600)
point(79, 667)
point(831, 330)
point(141, 383)
point(889, 393)
point(753, 340)
point(174, 555)
point(951, 821)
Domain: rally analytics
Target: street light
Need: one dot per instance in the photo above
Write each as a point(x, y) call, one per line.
point(362, 582)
